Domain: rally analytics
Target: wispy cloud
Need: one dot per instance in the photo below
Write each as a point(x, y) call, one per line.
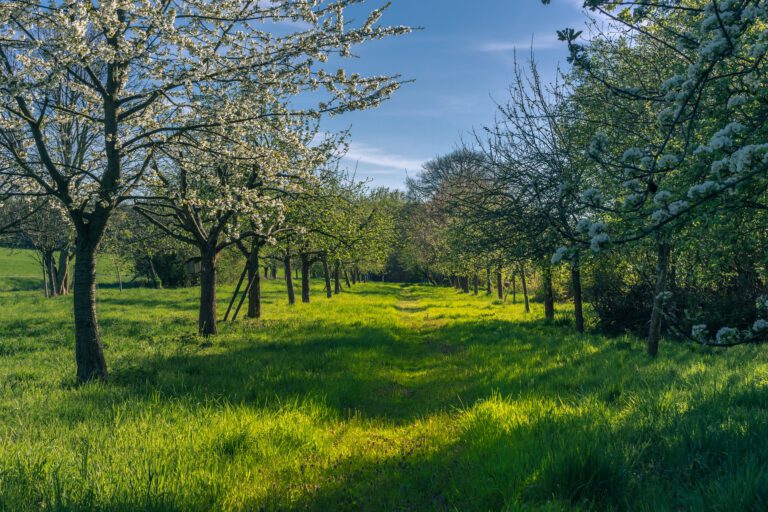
point(537, 42)
point(368, 155)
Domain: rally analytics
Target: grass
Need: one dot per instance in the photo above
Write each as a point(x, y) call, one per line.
point(20, 270)
point(387, 397)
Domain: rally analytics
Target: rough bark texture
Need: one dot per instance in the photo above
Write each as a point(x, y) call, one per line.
point(525, 291)
point(549, 295)
point(578, 306)
point(662, 268)
point(289, 280)
point(254, 292)
point(305, 278)
point(206, 320)
point(89, 350)
point(337, 277)
point(327, 275)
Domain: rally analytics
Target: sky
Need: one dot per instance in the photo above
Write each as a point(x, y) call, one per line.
point(461, 65)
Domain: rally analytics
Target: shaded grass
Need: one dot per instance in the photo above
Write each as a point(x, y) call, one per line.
point(388, 397)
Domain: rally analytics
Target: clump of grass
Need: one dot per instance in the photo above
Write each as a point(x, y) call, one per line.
point(580, 473)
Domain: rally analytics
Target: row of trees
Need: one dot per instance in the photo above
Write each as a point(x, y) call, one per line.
point(644, 168)
point(201, 117)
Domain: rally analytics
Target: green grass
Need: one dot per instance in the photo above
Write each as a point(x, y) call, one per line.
point(387, 397)
point(20, 270)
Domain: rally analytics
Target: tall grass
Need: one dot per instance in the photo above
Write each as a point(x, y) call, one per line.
point(387, 397)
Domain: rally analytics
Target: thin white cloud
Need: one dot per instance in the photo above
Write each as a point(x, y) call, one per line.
point(536, 42)
point(366, 154)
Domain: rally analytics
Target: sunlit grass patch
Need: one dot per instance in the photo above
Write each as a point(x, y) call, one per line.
point(386, 397)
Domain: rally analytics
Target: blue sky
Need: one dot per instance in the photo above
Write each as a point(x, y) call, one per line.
point(461, 63)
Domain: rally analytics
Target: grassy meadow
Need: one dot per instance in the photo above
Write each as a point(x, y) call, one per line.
point(388, 397)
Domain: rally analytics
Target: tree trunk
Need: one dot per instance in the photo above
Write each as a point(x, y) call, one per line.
point(525, 290)
point(206, 321)
point(63, 276)
point(488, 291)
point(50, 269)
point(273, 271)
point(304, 278)
point(549, 295)
point(354, 276)
point(476, 284)
point(514, 288)
point(337, 277)
point(327, 275)
point(254, 292)
point(499, 285)
point(45, 278)
point(662, 268)
point(289, 279)
point(578, 307)
point(158, 283)
point(117, 271)
point(464, 284)
point(346, 278)
point(89, 350)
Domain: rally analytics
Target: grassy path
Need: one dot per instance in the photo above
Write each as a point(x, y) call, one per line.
point(387, 397)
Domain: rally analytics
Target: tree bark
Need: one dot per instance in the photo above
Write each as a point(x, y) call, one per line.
point(578, 306)
point(346, 279)
point(464, 284)
point(254, 292)
point(499, 285)
point(63, 276)
point(289, 279)
point(476, 284)
point(50, 269)
point(337, 277)
point(662, 268)
point(89, 349)
point(514, 288)
point(549, 295)
point(206, 321)
point(304, 278)
point(525, 290)
point(273, 271)
point(489, 291)
point(327, 275)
